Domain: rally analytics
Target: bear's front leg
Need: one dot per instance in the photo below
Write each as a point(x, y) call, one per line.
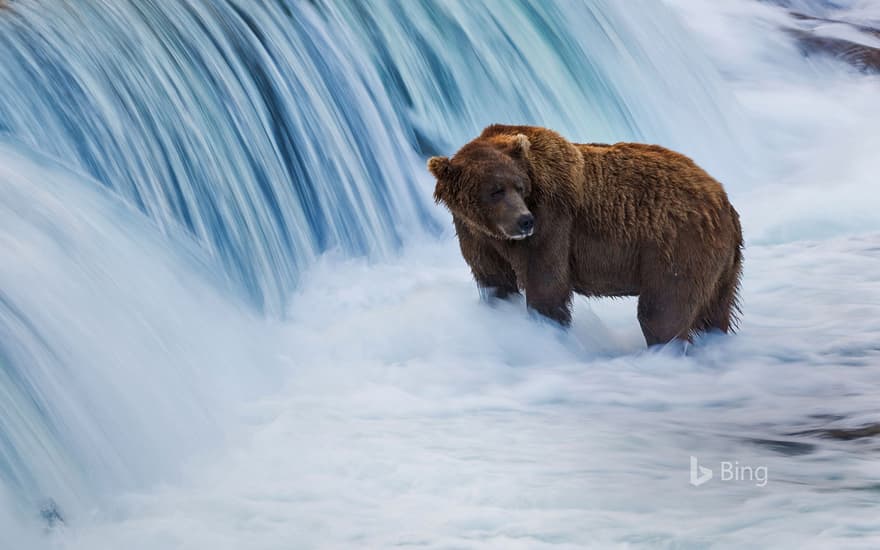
point(494, 276)
point(549, 293)
point(498, 283)
point(548, 279)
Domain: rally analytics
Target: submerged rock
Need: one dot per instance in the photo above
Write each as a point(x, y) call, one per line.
point(844, 434)
point(51, 514)
point(861, 55)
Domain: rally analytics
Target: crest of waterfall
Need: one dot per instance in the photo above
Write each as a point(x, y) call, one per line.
point(596, 70)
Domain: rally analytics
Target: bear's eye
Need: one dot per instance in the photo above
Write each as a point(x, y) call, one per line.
point(498, 193)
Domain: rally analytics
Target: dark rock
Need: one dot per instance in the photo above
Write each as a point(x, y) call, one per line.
point(51, 514)
point(844, 434)
point(863, 57)
point(784, 447)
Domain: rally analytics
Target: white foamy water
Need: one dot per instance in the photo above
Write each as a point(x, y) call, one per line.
point(416, 416)
point(412, 415)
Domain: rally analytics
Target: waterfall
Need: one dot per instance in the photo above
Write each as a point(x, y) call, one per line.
point(118, 347)
point(249, 126)
point(274, 132)
point(169, 169)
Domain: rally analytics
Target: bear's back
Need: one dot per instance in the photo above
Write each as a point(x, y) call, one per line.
point(639, 191)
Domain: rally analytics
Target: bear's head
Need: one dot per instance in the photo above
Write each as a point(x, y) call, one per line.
point(486, 184)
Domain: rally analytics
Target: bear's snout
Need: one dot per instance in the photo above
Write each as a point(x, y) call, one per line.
point(520, 227)
point(526, 224)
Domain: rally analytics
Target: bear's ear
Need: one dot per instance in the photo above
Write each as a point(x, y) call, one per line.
point(439, 166)
point(521, 146)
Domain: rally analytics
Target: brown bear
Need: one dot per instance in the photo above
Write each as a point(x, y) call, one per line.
point(538, 213)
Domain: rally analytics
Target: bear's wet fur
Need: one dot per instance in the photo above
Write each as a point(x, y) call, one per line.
point(538, 213)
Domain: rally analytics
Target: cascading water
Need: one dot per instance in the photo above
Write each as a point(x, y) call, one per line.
point(247, 125)
point(183, 185)
point(589, 69)
point(275, 132)
point(102, 385)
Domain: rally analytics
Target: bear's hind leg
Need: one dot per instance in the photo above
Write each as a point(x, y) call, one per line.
point(717, 315)
point(666, 316)
point(720, 313)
